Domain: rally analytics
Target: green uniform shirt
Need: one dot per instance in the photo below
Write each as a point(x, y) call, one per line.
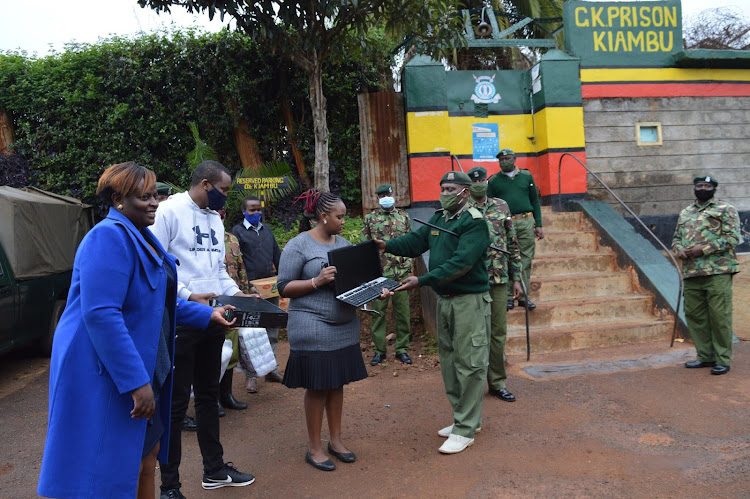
point(456, 262)
point(233, 262)
point(519, 191)
point(715, 225)
point(503, 235)
point(385, 225)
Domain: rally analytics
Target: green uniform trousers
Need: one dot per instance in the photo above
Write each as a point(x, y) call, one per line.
point(708, 310)
point(498, 334)
point(234, 335)
point(526, 246)
point(401, 317)
point(463, 325)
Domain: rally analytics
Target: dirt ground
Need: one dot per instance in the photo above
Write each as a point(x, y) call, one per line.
point(632, 423)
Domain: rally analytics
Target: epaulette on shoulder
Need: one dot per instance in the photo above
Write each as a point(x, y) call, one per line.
point(475, 214)
point(527, 172)
point(439, 211)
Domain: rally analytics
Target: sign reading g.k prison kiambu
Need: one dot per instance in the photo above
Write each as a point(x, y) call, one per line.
point(643, 33)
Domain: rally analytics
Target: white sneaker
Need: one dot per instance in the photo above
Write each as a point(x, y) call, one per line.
point(445, 432)
point(455, 444)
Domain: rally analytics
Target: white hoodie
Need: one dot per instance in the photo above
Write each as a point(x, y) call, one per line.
point(196, 238)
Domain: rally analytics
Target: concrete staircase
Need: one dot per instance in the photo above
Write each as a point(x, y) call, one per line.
point(583, 299)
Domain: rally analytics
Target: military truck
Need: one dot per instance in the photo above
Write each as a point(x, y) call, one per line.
point(39, 235)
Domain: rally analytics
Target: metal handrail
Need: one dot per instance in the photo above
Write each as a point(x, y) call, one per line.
point(622, 203)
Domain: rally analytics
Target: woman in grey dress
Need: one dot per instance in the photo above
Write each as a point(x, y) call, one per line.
point(323, 331)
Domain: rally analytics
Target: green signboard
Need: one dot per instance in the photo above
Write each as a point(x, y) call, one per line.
point(612, 34)
point(261, 183)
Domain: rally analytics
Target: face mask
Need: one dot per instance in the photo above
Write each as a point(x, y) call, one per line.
point(216, 199)
point(703, 195)
point(508, 166)
point(387, 202)
point(252, 219)
point(478, 190)
point(450, 202)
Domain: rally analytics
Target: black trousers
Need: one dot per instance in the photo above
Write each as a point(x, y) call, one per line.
point(197, 362)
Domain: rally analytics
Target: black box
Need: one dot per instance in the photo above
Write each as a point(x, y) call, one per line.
point(254, 312)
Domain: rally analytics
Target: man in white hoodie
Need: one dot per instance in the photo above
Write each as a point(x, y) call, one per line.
point(189, 227)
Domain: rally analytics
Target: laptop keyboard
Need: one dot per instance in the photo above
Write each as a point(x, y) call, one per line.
point(368, 292)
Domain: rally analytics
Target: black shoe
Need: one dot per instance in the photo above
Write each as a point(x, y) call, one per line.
point(503, 394)
point(344, 457)
point(522, 303)
point(225, 393)
point(403, 357)
point(720, 370)
point(326, 465)
point(694, 364)
point(220, 409)
point(227, 476)
point(377, 358)
point(189, 424)
point(171, 494)
point(511, 304)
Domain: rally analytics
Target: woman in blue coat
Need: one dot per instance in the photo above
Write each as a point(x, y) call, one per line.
point(110, 386)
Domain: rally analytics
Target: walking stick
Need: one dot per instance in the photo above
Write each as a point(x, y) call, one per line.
point(523, 285)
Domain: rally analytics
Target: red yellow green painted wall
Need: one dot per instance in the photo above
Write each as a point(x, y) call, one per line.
point(455, 119)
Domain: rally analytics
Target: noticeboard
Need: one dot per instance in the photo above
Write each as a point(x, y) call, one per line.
point(261, 183)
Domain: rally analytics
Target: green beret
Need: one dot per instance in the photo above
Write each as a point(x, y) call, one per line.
point(477, 173)
point(454, 177)
point(384, 189)
point(706, 178)
point(163, 189)
point(505, 152)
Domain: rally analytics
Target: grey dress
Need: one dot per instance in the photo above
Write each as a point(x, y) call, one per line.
point(323, 331)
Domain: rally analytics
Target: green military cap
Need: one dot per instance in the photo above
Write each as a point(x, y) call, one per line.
point(384, 189)
point(454, 177)
point(477, 173)
point(706, 178)
point(505, 152)
point(163, 189)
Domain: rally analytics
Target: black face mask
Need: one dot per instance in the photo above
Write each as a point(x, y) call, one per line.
point(704, 195)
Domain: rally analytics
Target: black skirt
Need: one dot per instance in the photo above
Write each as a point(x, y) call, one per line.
point(315, 370)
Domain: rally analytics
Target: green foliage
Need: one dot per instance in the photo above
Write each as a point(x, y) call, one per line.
point(77, 112)
point(201, 152)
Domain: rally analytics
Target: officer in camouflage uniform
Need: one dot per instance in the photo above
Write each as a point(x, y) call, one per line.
point(236, 270)
point(707, 233)
point(458, 275)
point(499, 266)
point(386, 223)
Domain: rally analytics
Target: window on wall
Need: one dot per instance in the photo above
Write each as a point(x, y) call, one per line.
point(648, 134)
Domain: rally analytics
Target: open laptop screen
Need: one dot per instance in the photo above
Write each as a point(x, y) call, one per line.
point(355, 265)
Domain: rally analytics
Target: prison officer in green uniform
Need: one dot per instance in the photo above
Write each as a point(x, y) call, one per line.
point(458, 275)
point(517, 188)
point(500, 268)
point(705, 239)
point(386, 223)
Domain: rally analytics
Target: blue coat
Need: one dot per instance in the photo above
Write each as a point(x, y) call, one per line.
point(105, 347)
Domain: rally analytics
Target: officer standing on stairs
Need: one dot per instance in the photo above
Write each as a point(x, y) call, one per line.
point(705, 239)
point(499, 267)
point(386, 223)
point(517, 188)
point(459, 277)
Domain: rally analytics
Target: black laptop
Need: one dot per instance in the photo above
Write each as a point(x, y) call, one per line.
point(359, 275)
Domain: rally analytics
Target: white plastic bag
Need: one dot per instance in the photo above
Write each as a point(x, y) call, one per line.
point(226, 355)
point(255, 351)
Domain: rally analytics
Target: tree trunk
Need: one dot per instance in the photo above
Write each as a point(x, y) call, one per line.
point(247, 146)
point(7, 137)
point(320, 126)
point(286, 109)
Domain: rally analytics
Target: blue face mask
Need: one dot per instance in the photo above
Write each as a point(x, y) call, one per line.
point(253, 218)
point(387, 202)
point(216, 199)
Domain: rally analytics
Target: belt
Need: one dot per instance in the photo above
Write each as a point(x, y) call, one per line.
point(452, 296)
point(522, 215)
